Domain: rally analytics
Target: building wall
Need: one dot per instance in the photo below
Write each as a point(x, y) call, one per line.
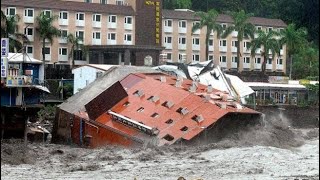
point(88, 29)
point(216, 52)
point(83, 76)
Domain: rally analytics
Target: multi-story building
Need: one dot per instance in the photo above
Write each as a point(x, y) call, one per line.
point(136, 32)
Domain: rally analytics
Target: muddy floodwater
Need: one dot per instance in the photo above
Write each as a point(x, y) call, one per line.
point(226, 159)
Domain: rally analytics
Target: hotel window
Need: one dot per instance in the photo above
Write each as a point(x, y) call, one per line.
point(223, 43)
point(279, 61)
point(182, 24)
point(119, 2)
point(112, 19)
point(112, 36)
point(29, 49)
point(47, 13)
point(210, 42)
point(88, 1)
point(63, 51)
point(63, 15)
point(80, 16)
point(246, 60)
point(28, 31)
point(168, 40)
point(63, 33)
point(103, 1)
point(182, 40)
point(80, 35)
point(28, 12)
point(259, 28)
point(168, 23)
point(169, 56)
point(96, 35)
point(269, 29)
point(182, 57)
point(96, 17)
point(196, 57)
point(210, 57)
point(270, 61)
point(11, 11)
point(128, 37)
point(258, 60)
point(196, 41)
point(223, 59)
point(128, 20)
point(47, 50)
point(246, 45)
point(235, 43)
point(234, 59)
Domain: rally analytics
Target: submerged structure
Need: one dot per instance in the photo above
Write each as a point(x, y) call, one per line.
point(133, 106)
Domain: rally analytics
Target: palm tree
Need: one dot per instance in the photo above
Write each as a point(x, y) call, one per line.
point(295, 39)
point(75, 45)
point(268, 42)
point(244, 28)
point(208, 20)
point(46, 30)
point(10, 29)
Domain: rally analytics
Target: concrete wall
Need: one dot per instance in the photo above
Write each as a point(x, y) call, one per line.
point(83, 76)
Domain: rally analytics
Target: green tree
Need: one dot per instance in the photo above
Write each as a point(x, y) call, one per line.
point(208, 20)
point(295, 39)
point(267, 42)
point(76, 45)
point(177, 4)
point(47, 31)
point(10, 29)
point(244, 28)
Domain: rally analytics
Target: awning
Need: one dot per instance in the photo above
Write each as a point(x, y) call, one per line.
point(42, 88)
point(45, 89)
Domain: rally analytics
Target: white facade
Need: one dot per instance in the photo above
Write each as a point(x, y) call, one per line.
point(86, 74)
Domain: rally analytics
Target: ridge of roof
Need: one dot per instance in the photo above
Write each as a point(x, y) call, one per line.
point(71, 6)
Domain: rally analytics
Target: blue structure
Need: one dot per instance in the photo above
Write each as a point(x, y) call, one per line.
point(21, 92)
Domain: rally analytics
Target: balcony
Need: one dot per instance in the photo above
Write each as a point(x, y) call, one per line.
point(112, 42)
point(223, 64)
point(167, 29)
point(269, 66)
point(112, 25)
point(182, 47)
point(197, 32)
point(168, 45)
point(223, 48)
point(96, 24)
point(233, 49)
point(63, 58)
point(211, 48)
point(63, 22)
point(48, 57)
point(128, 26)
point(196, 47)
point(281, 52)
point(246, 65)
point(257, 66)
point(30, 38)
point(127, 42)
point(63, 40)
point(233, 65)
point(28, 19)
point(96, 41)
point(279, 67)
point(80, 23)
point(182, 30)
point(234, 34)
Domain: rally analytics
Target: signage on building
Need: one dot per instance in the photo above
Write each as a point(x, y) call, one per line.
point(157, 19)
point(4, 67)
point(4, 47)
point(279, 79)
point(148, 61)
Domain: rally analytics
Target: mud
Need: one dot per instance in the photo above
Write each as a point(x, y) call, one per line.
point(272, 149)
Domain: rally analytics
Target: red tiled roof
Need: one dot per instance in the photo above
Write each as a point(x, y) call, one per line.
point(181, 97)
point(71, 6)
point(222, 18)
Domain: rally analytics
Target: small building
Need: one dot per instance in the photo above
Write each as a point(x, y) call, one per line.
point(21, 93)
point(86, 74)
point(277, 94)
point(143, 107)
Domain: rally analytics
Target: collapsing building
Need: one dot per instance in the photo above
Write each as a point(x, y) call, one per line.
point(142, 106)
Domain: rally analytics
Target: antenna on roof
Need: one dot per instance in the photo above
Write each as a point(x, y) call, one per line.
point(163, 79)
point(178, 83)
point(193, 87)
point(209, 88)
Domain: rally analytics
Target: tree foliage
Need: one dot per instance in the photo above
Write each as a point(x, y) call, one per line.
point(209, 21)
point(76, 45)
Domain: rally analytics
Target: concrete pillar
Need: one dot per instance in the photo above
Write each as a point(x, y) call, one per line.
point(120, 58)
point(127, 57)
point(100, 58)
